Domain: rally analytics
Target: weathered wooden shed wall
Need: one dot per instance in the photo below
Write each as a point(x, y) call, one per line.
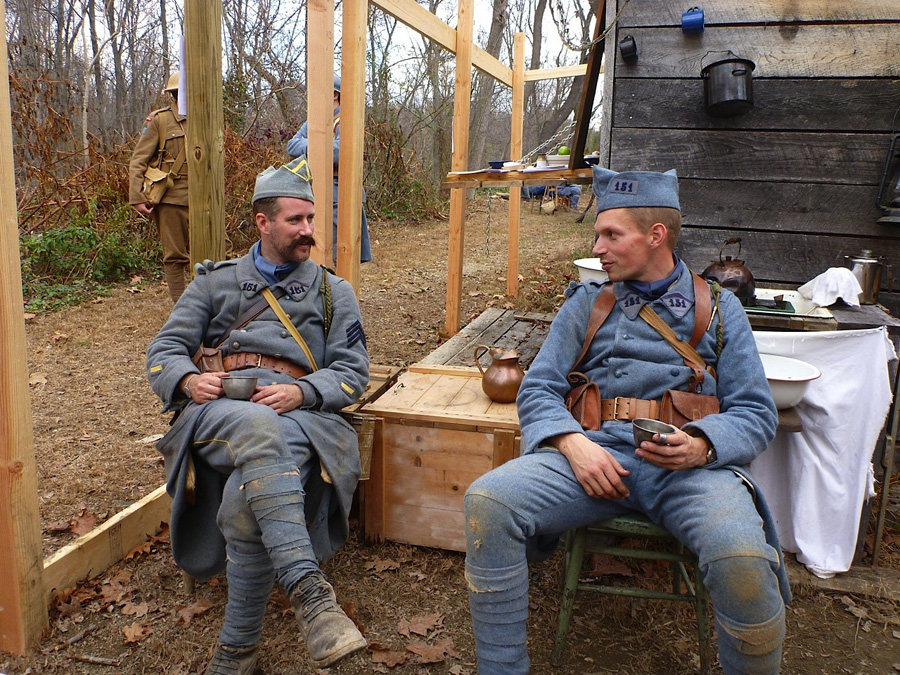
point(797, 176)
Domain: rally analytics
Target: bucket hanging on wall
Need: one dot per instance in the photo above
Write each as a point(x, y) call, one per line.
point(728, 85)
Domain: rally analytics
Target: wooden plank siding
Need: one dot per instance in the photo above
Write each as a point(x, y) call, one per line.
point(716, 12)
point(797, 176)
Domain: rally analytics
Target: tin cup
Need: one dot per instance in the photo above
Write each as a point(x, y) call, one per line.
point(238, 387)
point(644, 429)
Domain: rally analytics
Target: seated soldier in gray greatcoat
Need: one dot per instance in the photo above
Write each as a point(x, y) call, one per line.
point(276, 472)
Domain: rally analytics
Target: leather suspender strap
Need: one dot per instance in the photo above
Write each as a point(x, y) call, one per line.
point(690, 355)
point(242, 320)
point(599, 313)
point(292, 329)
point(702, 315)
point(250, 313)
point(702, 309)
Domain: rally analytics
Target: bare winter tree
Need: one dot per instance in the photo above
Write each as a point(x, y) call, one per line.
point(485, 85)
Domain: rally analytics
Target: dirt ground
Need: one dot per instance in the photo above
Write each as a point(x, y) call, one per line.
point(96, 419)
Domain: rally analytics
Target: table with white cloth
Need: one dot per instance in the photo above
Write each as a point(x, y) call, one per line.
point(816, 481)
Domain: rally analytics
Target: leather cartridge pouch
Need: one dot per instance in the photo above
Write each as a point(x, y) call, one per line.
point(680, 407)
point(209, 360)
point(156, 182)
point(583, 401)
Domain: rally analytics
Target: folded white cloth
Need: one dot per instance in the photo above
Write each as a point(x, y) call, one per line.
point(833, 283)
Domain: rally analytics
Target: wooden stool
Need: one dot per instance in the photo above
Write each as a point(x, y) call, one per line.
point(624, 527)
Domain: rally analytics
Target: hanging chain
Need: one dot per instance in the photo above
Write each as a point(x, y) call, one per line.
point(565, 132)
point(563, 30)
point(487, 229)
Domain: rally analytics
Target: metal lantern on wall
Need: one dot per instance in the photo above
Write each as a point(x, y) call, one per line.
point(889, 190)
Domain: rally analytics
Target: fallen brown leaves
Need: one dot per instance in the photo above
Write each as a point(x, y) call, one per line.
point(186, 614)
point(420, 625)
point(378, 567)
point(433, 653)
point(137, 632)
point(81, 524)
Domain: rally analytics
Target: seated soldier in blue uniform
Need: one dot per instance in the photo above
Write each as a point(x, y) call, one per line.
point(694, 482)
point(573, 192)
point(276, 472)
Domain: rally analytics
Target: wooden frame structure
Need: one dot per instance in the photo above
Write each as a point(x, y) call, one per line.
point(29, 581)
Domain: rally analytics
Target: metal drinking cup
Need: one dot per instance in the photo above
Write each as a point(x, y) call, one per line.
point(644, 428)
point(239, 387)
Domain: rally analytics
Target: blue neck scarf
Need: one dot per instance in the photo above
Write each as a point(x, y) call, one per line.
point(653, 290)
point(271, 272)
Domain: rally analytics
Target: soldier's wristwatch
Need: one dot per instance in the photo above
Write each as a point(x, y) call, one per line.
point(186, 387)
point(711, 456)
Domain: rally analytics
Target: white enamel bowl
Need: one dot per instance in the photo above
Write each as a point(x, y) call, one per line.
point(590, 269)
point(788, 378)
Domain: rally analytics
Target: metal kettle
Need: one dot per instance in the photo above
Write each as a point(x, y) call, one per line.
point(733, 274)
point(867, 270)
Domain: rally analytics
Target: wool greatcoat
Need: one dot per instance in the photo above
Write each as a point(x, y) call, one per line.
point(208, 307)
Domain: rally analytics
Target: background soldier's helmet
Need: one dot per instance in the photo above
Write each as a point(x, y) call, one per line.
point(172, 84)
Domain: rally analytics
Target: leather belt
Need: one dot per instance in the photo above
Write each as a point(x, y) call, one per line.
point(626, 409)
point(242, 360)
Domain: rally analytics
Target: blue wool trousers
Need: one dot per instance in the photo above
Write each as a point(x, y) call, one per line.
point(268, 460)
point(536, 498)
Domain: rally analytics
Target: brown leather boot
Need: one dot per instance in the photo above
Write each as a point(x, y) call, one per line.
point(330, 634)
point(233, 661)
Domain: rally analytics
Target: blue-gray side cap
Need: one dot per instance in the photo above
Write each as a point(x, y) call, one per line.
point(293, 179)
point(630, 189)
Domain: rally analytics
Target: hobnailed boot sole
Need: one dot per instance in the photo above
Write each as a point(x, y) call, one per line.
point(328, 623)
point(334, 657)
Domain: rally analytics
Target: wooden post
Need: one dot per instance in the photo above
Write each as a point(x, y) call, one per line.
point(320, 118)
point(461, 102)
point(353, 113)
point(23, 613)
point(205, 129)
point(589, 90)
point(515, 152)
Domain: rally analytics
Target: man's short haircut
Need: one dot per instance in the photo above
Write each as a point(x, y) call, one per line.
point(646, 216)
point(268, 206)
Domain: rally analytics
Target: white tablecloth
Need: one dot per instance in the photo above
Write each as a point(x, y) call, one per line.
point(817, 480)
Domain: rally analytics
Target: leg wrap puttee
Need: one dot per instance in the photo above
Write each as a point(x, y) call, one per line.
point(275, 495)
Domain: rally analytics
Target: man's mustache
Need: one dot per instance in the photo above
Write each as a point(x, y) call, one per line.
point(303, 240)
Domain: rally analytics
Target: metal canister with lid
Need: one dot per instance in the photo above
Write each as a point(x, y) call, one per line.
point(867, 270)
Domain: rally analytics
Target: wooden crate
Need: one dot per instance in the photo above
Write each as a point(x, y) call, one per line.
point(435, 432)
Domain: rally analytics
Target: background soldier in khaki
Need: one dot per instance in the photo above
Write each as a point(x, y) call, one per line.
point(160, 144)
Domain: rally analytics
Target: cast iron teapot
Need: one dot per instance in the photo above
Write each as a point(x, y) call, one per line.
point(733, 274)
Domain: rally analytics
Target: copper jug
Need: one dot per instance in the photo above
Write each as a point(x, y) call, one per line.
point(733, 274)
point(502, 378)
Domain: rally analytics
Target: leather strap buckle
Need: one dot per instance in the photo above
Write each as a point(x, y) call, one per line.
point(259, 358)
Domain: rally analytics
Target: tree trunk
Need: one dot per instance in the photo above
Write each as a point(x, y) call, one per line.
point(164, 26)
point(116, 45)
point(95, 47)
point(485, 86)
